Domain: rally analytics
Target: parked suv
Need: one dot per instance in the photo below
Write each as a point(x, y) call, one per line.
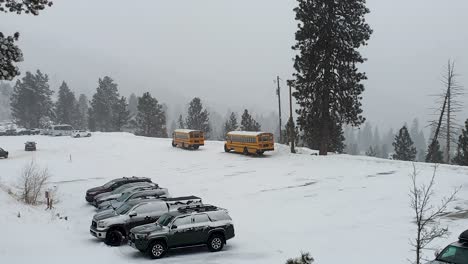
point(112, 185)
point(137, 194)
point(113, 226)
point(30, 146)
point(3, 153)
point(455, 253)
point(81, 133)
point(188, 226)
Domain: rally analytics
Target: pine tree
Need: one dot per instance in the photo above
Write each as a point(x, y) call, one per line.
point(372, 152)
point(231, 124)
point(65, 107)
point(248, 123)
point(436, 155)
point(197, 117)
point(335, 142)
point(101, 114)
point(133, 104)
point(403, 145)
point(461, 158)
point(181, 122)
point(121, 114)
point(82, 112)
point(151, 119)
point(31, 101)
point(327, 81)
point(9, 52)
point(5, 94)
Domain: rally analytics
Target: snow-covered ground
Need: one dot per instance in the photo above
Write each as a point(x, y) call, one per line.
point(343, 209)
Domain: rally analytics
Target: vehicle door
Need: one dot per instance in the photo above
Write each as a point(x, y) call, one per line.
point(201, 227)
point(181, 231)
point(140, 215)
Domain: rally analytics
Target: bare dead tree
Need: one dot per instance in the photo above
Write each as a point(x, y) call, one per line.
point(446, 125)
point(427, 215)
point(305, 258)
point(32, 182)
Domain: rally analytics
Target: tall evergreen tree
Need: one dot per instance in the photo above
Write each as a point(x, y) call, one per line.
point(248, 123)
point(180, 122)
point(66, 106)
point(403, 145)
point(31, 100)
point(133, 104)
point(327, 81)
point(101, 114)
point(121, 114)
point(151, 119)
point(197, 117)
point(9, 52)
point(231, 124)
point(335, 142)
point(82, 112)
point(461, 158)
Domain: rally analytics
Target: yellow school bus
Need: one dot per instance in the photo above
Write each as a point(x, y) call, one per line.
point(249, 142)
point(187, 138)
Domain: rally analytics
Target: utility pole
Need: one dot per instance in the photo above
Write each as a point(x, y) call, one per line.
point(278, 92)
point(291, 121)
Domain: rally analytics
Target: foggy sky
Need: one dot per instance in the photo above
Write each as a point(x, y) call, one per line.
point(229, 52)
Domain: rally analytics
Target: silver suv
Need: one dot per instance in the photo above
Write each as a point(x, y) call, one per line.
point(455, 253)
point(137, 194)
point(112, 226)
point(115, 194)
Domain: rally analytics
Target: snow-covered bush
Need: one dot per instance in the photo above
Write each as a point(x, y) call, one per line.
point(305, 258)
point(32, 182)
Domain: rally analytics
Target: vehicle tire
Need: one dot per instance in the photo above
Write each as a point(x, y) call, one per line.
point(114, 238)
point(157, 249)
point(6, 156)
point(246, 151)
point(174, 144)
point(196, 147)
point(215, 243)
point(89, 135)
point(226, 149)
point(77, 136)
point(183, 145)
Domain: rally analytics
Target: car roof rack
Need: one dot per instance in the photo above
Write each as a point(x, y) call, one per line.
point(463, 238)
point(197, 208)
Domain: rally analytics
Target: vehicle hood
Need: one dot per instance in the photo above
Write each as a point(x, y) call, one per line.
point(149, 228)
point(104, 215)
point(107, 197)
point(104, 194)
point(95, 189)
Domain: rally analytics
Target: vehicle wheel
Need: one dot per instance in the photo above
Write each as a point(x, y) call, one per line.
point(77, 136)
point(114, 238)
point(183, 145)
point(157, 249)
point(226, 149)
point(215, 243)
point(89, 135)
point(174, 144)
point(246, 151)
point(196, 147)
point(6, 156)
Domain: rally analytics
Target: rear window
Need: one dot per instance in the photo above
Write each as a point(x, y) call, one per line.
point(219, 216)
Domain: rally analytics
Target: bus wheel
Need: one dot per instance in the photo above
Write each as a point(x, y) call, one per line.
point(225, 148)
point(183, 145)
point(246, 151)
point(174, 144)
point(196, 147)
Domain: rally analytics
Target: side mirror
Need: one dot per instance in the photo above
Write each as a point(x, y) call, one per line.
point(132, 214)
point(436, 253)
point(173, 227)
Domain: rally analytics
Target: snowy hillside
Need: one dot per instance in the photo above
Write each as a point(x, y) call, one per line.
point(343, 209)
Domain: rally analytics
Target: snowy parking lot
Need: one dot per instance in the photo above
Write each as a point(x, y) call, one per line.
point(340, 208)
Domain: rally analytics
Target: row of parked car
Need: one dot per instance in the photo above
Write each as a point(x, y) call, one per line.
point(20, 132)
point(137, 211)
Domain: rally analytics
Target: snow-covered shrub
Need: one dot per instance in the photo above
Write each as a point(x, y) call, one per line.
point(32, 182)
point(305, 258)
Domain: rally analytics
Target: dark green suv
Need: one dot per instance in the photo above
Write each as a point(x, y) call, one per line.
point(197, 225)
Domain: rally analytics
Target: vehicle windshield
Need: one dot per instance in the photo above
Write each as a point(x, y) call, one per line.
point(108, 185)
point(123, 209)
point(454, 254)
point(124, 197)
point(165, 220)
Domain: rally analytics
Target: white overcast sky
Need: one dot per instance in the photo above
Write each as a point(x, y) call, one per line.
point(229, 52)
